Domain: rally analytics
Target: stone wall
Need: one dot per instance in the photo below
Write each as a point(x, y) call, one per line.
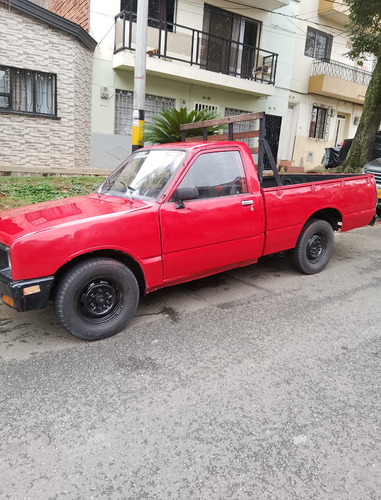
point(37, 141)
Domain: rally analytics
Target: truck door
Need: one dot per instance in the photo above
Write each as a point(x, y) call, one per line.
point(219, 229)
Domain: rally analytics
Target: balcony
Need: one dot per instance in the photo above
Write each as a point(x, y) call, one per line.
point(223, 60)
point(338, 80)
point(334, 10)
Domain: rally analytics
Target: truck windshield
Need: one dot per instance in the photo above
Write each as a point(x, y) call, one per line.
point(144, 175)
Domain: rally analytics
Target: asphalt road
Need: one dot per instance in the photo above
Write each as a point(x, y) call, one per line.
point(259, 383)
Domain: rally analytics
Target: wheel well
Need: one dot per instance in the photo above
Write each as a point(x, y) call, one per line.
point(127, 260)
point(331, 215)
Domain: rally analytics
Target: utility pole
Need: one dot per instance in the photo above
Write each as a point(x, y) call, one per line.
point(140, 75)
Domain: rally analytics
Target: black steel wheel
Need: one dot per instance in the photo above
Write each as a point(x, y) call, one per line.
point(314, 247)
point(96, 298)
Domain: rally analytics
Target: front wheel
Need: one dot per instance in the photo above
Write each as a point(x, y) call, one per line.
point(96, 298)
point(314, 247)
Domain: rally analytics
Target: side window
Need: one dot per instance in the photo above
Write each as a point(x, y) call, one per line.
point(217, 174)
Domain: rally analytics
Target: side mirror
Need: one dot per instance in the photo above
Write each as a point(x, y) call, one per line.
point(185, 193)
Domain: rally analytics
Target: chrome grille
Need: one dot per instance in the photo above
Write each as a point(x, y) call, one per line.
point(375, 172)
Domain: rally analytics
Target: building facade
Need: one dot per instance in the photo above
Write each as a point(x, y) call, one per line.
point(227, 56)
point(328, 89)
point(283, 57)
point(45, 89)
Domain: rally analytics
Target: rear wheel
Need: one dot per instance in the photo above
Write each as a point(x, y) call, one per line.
point(96, 298)
point(314, 248)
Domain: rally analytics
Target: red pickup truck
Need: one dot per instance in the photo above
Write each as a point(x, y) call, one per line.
point(169, 214)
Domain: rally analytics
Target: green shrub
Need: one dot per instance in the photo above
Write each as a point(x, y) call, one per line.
point(17, 191)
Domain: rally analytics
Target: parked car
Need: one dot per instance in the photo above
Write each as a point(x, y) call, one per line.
point(169, 214)
point(376, 153)
point(374, 167)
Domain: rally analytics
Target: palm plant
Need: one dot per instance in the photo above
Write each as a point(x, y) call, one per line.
point(165, 126)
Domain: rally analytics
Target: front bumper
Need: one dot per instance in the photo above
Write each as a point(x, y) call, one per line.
point(26, 295)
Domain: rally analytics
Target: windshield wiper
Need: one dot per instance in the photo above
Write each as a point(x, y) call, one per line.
point(130, 191)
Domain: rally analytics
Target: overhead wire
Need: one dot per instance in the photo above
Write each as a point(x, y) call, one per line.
point(290, 18)
point(282, 14)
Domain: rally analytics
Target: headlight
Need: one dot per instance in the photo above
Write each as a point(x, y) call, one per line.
point(5, 259)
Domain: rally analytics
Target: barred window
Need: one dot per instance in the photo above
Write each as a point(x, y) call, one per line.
point(319, 126)
point(124, 107)
point(26, 91)
point(199, 106)
point(243, 126)
point(239, 126)
point(318, 44)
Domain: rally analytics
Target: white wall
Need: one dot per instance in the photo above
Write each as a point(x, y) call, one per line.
point(277, 35)
point(101, 26)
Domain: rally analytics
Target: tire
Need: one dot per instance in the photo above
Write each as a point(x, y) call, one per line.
point(314, 248)
point(96, 298)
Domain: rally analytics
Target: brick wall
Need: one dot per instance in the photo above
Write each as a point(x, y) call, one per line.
point(74, 10)
point(33, 141)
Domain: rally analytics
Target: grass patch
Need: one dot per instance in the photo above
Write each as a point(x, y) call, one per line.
point(18, 191)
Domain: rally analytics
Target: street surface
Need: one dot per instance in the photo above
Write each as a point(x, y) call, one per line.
point(258, 383)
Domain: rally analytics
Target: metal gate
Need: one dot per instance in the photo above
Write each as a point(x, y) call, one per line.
point(273, 124)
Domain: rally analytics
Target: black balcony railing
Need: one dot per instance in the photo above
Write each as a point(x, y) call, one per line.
point(175, 42)
point(339, 70)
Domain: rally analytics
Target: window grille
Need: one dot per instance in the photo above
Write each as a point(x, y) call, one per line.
point(318, 44)
point(124, 107)
point(320, 121)
point(26, 91)
point(242, 126)
point(198, 106)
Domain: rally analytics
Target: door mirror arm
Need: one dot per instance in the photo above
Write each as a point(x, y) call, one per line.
point(185, 193)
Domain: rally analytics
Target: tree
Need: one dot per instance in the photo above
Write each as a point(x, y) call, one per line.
point(365, 33)
point(165, 126)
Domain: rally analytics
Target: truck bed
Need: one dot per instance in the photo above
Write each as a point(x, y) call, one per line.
point(292, 179)
point(336, 197)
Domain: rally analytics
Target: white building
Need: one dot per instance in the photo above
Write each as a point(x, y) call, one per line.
point(284, 57)
point(328, 89)
point(229, 56)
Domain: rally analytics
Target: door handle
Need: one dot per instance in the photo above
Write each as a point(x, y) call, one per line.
point(249, 203)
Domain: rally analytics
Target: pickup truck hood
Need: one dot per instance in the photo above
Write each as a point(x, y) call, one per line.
point(16, 223)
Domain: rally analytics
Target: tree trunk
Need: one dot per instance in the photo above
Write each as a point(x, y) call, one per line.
point(362, 145)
